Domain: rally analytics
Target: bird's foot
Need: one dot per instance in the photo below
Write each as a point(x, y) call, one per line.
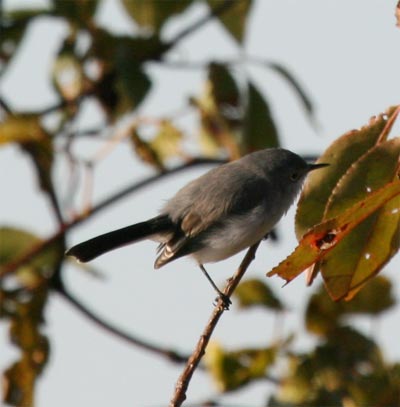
point(225, 300)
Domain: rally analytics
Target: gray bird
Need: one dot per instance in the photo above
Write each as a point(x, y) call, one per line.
point(218, 214)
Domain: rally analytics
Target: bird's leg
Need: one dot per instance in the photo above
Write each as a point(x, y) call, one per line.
point(225, 299)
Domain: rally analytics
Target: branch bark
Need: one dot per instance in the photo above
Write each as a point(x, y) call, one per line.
point(182, 384)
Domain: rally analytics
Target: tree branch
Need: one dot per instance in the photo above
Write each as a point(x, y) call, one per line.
point(194, 360)
point(301, 92)
point(170, 354)
point(3, 104)
point(215, 12)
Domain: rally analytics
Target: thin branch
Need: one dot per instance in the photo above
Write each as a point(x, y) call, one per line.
point(90, 132)
point(63, 103)
point(4, 105)
point(253, 60)
point(55, 205)
point(183, 382)
point(215, 12)
point(38, 248)
point(170, 354)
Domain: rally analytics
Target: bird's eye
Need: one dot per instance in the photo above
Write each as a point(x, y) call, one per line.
point(294, 176)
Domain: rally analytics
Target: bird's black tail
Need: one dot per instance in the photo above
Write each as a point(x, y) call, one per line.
point(99, 245)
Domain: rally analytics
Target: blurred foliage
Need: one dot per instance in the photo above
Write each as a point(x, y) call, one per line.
point(344, 366)
point(232, 370)
point(150, 15)
point(23, 297)
point(233, 116)
point(254, 292)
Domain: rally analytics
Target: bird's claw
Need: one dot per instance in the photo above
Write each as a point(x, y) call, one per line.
point(225, 300)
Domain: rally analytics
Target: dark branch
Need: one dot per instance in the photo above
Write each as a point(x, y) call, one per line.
point(171, 355)
point(215, 12)
point(184, 379)
point(3, 104)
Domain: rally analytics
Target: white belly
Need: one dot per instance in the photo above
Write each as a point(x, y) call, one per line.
point(238, 234)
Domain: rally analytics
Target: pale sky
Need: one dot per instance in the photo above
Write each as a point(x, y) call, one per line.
point(344, 53)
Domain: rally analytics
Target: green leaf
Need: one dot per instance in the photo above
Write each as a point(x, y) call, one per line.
point(363, 253)
point(372, 171)
point(77, 11)
point(340, 155)
point(13, 27)
point(234, 19)
point(297, 388)
point(224, 91)
point(378, 388)
point(215, 132)
point(42, 154)
point(111, 48)
point(26, 130)
point(376, 297)
point(321, 239)
point(259, 130)
point(220, 112)
point(323, 315)
point(24, 306)
point(254, 292)
point(154, 14)
point(297, 87)
point(132, 85)
point(353, 348)
point(168, 141)
point(124, 84)
point(15, 243)
point(232, 370)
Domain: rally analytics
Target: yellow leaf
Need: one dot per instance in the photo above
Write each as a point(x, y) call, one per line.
point(20, 129)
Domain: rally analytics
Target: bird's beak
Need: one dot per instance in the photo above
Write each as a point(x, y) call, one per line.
point(312, 167)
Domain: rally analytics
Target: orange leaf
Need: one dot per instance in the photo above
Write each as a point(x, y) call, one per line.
point(322, 238)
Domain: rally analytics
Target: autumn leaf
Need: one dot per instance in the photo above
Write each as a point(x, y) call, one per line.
point(340, 155)
point(321, 239)
point(370, 245)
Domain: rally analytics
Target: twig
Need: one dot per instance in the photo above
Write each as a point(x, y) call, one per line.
point(217, 11)
point(90, 132)
point(3, 104)
point(253, 60)
point(184, 379)
point(38, 248)
point(170, 354)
